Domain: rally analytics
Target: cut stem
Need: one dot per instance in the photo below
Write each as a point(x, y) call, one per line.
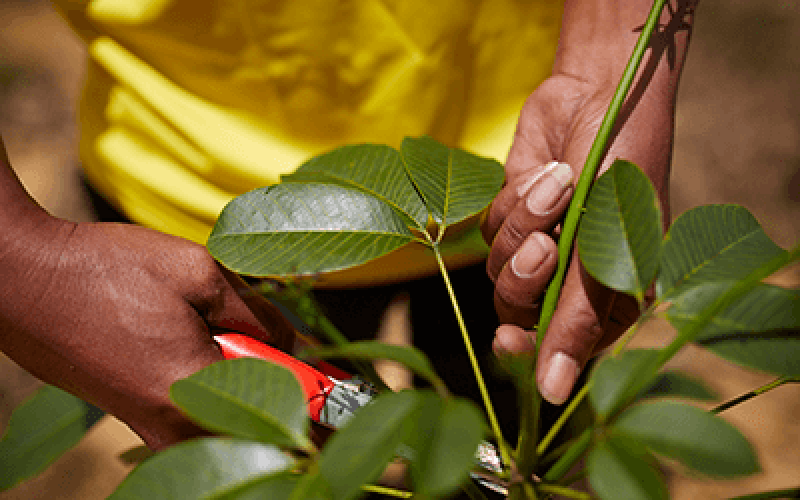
point(487, 402)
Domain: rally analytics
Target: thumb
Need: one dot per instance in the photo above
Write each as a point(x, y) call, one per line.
point(250, 313)
point(577, 327)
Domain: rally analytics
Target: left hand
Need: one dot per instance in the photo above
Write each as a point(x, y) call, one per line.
point(559, 122)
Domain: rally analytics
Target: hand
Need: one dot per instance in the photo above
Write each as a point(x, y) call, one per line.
point(116, 313)
point(559, 122)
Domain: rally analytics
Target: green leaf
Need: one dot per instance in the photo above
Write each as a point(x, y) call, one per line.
point(699, 440)
point(283, 485)
point(445, 437)
point(620, 234)
point(206, 468)
point(759, 331)
point(677, 385)
point(712, 243)
point(358, 452)
point(299, 228)
point(375, 169)
point(310, 487)
point(455, 184)
point(621, 468)
point(410, 356)
point(617, 380)
point(247, 398)
point(278, 486)
point(41, 430)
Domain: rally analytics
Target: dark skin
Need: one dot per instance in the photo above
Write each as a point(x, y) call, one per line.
point(559, 122)
point(116, 313)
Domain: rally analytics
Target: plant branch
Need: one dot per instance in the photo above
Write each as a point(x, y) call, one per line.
point(472, 491)
point(724, 301)
point(574, 478)
point(631, 331)
point(592, 164)
point(487, 402)
point(556, 453)
point(522, 368)
point(568, 459)
point(593, 161)
point(383, 490)
point(563, 491)
point(562, 419)
point(755, 392)
point(787, 493)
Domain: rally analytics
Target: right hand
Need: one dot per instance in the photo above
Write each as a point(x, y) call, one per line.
point(116, 313)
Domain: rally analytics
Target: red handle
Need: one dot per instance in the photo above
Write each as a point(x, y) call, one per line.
point(315, 384)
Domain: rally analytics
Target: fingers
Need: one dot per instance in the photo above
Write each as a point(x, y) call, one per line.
point(512, 339)
point(259, 318)
point(542, 199)
point(523, 279)
point(578, 325)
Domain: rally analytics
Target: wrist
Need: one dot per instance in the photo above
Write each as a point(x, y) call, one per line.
point(598, 37)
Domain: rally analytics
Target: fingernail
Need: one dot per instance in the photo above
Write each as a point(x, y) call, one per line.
point(559, 378)
point(529, 256)
point(549, 188)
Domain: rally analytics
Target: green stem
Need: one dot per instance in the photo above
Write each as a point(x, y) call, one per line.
point(530, 491)
point(724, 301)
point(487, 402)
point(383, 490)
point(574, 478)
point(529, 402)
point(472, 491)
point(631, 331)
point(592, 164)
point(593, 161)
point(522, 491)
point(568, 459)
point(787, 493)
point(555, 489)
point(556, 453)
point(562, 419)
point(755, 392)
point(648, 372)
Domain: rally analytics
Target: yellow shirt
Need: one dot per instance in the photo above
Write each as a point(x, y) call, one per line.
point(190, 102)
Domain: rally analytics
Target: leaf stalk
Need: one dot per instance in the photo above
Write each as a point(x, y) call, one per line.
point(473, 360)
point(755, 392)
point(554, 489)
point(562, 419)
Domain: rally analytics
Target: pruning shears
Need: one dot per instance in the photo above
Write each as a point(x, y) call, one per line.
point(333, 395)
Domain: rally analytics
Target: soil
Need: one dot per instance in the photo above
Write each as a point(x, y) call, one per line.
point(737, 141)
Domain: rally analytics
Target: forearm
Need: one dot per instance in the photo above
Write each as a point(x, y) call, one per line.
point(29, 242)
point(597, 40)
point(598, 36)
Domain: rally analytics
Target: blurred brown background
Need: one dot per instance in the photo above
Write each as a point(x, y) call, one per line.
point(737, 141)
